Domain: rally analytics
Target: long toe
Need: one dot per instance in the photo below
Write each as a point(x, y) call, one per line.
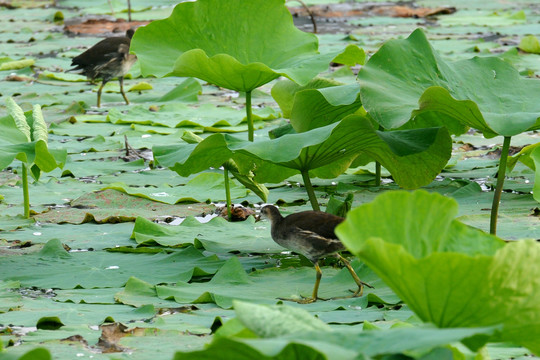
point(359, 291)
point(302, 301)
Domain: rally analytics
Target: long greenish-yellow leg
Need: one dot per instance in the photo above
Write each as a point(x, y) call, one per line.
point(357, 280)
point(121, 81)
point(99, 93)
point(317, 281)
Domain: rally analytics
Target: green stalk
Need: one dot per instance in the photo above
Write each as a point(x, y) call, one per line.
point(378, 166)
point(249, 116)
point(499, 187)
point(227, 192)
point(377, 173)
point(310, 191)
point(26, 196)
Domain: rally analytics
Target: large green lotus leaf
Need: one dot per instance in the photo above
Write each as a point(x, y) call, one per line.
point(225, 348)
point(319, 107)
point(74, 314)
point(94, 167)
point(214, 151)
point(266, 321)
point(281, 327)
point(283, 91)
point(204, 187)
point(14, 145)
point(485, 93)
point(229, 45)
point(530, 156)
point(525, 156)
point(187, 159)
point(266, 286)
point(331, 148)
point(180, 115)
point(53, 267)
point(218, 235)
point(449, 274)
point(80, 128)
point(241, 168)
point(113, 206)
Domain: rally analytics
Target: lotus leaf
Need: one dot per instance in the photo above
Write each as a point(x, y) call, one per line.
point(530, 156)
point(266, 286)
point(25, 139)
point(53, 267)
point(448, 273)
point(218, 235)
point(266, 321)
point(524, 156)
point(204, 187)
point(283, 91)
point(180, 115)
point(226, 44)
point(330, 149)
point(313, 339)
point(530, 44)
point(485, 93)
point(319, 107)
point(28, 144)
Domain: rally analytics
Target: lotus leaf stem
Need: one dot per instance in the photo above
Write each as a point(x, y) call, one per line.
point(227, 192)
point(310, 191)
point(26, 196)
point(377, 173)
point(378, 166)
point(499, 187)
point(249, 115)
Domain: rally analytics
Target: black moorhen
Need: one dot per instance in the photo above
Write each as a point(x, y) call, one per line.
point(310, 233)
point(106, 60)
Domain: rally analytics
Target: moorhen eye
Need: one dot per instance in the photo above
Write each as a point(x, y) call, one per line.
point(310, 233)
point(106, 60)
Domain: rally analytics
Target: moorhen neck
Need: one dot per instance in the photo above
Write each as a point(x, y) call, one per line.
point(106, 60)
point(310, 233)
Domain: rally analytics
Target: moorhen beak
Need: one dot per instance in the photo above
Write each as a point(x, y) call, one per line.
point(108, 59)
point(310, 233)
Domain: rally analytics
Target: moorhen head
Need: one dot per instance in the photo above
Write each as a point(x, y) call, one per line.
point(106, 60)
point(310, 233)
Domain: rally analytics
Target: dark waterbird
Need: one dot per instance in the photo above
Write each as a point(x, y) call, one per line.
point(310, 233)
point(106, 60)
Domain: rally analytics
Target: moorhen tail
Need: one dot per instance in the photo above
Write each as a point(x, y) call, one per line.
point(106, 60)
point(310, 233)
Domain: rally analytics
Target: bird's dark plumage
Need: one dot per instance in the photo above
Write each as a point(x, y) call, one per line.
point(310, 233)
point(106, 60)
